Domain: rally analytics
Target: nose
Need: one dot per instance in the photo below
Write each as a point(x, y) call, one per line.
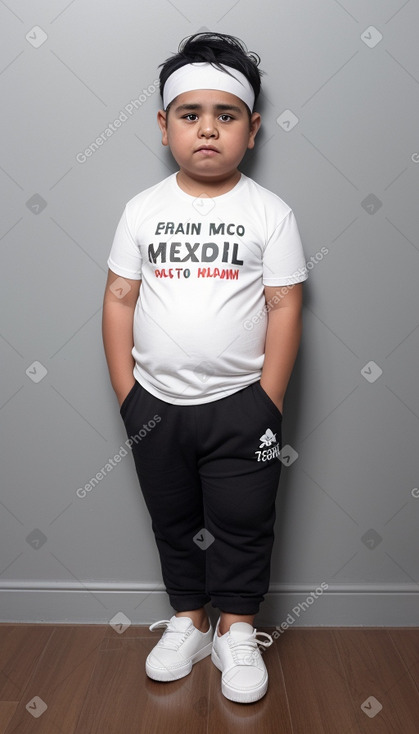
point(208, 128)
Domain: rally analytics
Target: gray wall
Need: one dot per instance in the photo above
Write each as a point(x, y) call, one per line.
point(348, 505)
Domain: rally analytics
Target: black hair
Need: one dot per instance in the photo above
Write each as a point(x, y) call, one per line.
point(216, 49)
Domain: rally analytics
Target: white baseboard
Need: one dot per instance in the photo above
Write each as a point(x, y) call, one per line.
point(299, 605)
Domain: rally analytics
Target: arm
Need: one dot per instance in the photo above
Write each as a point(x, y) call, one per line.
point(282, 339)
point(118, 341)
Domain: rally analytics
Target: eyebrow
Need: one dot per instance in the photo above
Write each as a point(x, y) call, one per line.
point(217, 107)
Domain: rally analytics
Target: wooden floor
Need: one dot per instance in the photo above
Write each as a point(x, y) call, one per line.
point(88, 679)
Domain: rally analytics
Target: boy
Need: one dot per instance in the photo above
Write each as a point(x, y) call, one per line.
point(200, 337)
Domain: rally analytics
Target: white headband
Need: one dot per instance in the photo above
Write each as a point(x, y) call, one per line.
point(203, 75)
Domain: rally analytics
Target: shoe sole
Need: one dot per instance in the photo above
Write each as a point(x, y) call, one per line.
point(232, 693)
point(167, 675)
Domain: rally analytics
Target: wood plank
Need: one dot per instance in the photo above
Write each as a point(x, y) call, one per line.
point(134, 630)
point(21, 646)
point(406, 642)
point(122, 698)
point(374, 669)
point(60, 679)
point(315, 682)
point(7, 709)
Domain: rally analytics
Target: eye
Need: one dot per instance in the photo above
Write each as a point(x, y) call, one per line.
point(225, 117)
point(189, 117)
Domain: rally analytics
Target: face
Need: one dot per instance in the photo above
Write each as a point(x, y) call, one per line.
point(208, 133)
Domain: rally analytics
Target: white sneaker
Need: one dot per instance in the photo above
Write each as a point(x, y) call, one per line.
point(180, 646)
point(244, 676)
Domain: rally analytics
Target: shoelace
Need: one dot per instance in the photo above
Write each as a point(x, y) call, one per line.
point(177, 636)
point(248, 650)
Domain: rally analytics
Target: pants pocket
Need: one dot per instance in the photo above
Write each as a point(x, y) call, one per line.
point(125, 403)
point(268, 401)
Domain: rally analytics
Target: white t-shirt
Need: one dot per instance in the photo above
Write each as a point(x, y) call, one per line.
point(200, 319)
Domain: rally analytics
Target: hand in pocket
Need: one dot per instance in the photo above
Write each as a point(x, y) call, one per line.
point(125, 395)
point(279, 403)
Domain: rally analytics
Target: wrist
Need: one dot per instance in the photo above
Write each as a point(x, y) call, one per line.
point(123, 388)
point(276, 395)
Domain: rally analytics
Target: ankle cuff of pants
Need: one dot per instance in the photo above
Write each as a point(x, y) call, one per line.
point(188, 603)
point(236, 605)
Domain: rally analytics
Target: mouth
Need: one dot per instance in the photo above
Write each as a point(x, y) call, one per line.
point(207, 149)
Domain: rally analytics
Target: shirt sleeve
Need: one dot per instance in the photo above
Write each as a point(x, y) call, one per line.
point(283, 260)
point(125, 256)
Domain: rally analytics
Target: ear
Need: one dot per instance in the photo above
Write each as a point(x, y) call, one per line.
point(162, 122)
point(255, 122)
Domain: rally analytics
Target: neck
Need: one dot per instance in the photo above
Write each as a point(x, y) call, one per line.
point(211, 187)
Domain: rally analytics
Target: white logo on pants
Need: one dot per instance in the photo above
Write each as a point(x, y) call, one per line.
point(269, 451)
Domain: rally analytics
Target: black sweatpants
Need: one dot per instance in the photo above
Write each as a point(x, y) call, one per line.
point(209, 475)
